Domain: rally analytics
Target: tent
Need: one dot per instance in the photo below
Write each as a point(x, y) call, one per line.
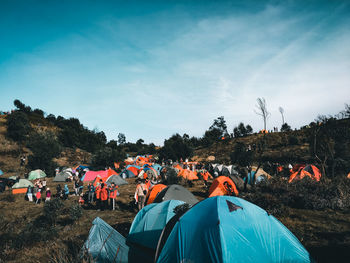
point(116, 179)
point(105, 244)
point(227, 229)
point(62, 176)
point(133, 169)
point(21, 186)
point(36, 174)
point(1, 172)
point(309, 170)
point(176, 192)
point(188, 174)
point(127, 174)
point(218, 187)
point(153, 192)
point(157, 167)
point(91, 175)
point(149, 222)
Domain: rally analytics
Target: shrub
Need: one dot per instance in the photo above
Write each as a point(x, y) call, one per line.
point(52, 210)
point(18, 126)
point(75, 212)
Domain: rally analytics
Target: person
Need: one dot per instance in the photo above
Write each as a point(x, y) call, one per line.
point(30, 193)
point(140, 194)
point(48, 195)
point(76, 186)
point(205, 177)
point(58, 190)
point(113, 195)
point(104, 196)
point(91, 193)
point(38, 196)
point(44, 184)
point(66, 192)
point(81, 200)
point(98, 196)
point(81, 187)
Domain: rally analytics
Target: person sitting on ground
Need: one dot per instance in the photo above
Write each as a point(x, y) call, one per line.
point(65, 192)
point(58, 190)
point(81, 200)
point(48, 195)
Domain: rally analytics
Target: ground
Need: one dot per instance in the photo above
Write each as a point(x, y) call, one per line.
point(326, 234)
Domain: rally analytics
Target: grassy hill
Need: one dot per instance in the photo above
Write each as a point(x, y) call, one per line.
point(26, 237)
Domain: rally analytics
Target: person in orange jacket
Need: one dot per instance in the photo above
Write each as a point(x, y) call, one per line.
point(112, 195)
point(104, 196)
point(98, 196)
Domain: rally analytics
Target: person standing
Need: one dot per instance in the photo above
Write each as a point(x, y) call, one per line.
point(140, 193)
point(38, 196)
point(98, 196)
point(104, 196)
point(113, 195)
point(48, 195)
point(91, 193)
point(30, 193)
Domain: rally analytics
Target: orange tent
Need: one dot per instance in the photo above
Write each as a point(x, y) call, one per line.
point(188, 174)
point(152, 194)
point(348, 175)
point(19, 191)
point(218, 187)
point(309, 170)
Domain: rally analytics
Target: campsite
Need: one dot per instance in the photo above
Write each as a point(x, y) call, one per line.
point(182, 131)
point(312, 209)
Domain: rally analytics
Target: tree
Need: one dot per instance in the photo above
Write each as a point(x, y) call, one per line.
point(262, 110)
point(241, 130)
point(215, 132)
point(105, 157)
point(285, 127)
point(220, 125)
point(121, 139)
point(281, 110)
point(19, 105)
point(175, 148)
point(18, 126)
point(44, 147)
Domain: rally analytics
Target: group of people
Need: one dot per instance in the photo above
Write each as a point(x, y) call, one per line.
point(34, 193)
point(102, 194)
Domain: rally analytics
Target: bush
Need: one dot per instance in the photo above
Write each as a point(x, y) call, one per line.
point(293, 140)
point(18, 126)
point(75, 212)
point(106, 157)
point(52, 210)
point(45, 147)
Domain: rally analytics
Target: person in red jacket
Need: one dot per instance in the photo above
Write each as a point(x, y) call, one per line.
point(112, 195)
point(104, 196)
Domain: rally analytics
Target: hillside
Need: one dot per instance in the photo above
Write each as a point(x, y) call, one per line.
point(324, 232)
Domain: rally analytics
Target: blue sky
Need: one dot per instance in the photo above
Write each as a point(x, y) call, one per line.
point(149, 69)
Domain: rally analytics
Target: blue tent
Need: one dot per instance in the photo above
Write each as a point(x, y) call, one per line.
point(230, 229)
point(149, 223)
point(105, 244)
point(127, 174)
point(157, 167)
point(1, 173)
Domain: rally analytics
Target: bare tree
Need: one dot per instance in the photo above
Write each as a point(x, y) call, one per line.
point(282, 112)
point(262, 110)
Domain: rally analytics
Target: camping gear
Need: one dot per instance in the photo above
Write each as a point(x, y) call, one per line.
point(227, 229)
point(153, 192)
point(91, 175)
point(309, 170)
point(116, 179)
point(218, 187)
point(62, 176)
point(176, 192)
point(105, 244)
point(1, 172)
point(127, 174)
point(188, 174)
point(36, 174)
point(149, 223)
point(21, 186)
